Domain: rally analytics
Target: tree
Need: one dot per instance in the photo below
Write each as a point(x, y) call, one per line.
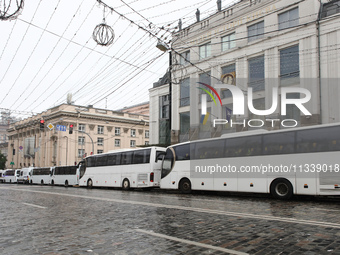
point(3, 160)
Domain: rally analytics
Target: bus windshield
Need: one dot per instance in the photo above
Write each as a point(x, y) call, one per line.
point(168, 162)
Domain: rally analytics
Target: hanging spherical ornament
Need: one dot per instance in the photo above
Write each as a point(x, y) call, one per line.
point(103, 34)
point(10, 9)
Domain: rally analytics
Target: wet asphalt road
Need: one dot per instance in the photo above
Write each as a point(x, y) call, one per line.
point(58, 220)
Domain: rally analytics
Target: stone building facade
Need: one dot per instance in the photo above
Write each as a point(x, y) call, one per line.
point(94, 131)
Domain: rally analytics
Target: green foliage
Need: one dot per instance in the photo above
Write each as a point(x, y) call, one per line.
point(3, 160)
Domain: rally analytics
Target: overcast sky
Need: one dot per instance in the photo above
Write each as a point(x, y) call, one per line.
point(48, 52)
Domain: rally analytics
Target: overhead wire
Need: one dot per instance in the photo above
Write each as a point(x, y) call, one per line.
point(8, 39)
point(132, 74)
point(51, 52)
point(147, 64)
point(29, 58)
point(16, 52)
point(107, 65)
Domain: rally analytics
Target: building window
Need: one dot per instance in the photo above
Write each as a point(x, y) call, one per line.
point(228, 42)
point(133, 132)
point(164, 107)
point(146, 142)
point(185, 58)
point(81, 140)
point(164, 131)
point(117, 131)
point(206, 79)
point(256, 73)
point(117, 142)
point(259, 104)
point(205, 50)
point(147, 134)
point(289, 18)
point(101, 130)
point(289, 65)
point(132, 143)
point(185, 92)
point(256, 31)
point(292, 111)
point(228, 69)
point(81, 127)
point(81, 153)
point(99, 151)
point(100, 141)
point(184, 119)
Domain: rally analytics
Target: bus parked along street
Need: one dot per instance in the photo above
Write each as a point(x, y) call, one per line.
point(301, 161)
point(64, 175)
point(136, 168)
point(10, 175)
point(41, 175)
point(25, 175)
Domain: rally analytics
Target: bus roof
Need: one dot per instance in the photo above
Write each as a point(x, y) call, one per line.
point(260, 131)
point(128, 149)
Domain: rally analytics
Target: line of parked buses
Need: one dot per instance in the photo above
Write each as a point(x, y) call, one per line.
point(65, 175)
point(310, 156)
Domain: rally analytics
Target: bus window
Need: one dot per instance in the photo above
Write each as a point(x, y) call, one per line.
point(159, 155)
point(101, 160)
point(280, 143)
point(126, 158)
point(243, 146)
point(141, 156)
point(91, 161)
point(182, 152)
point(113, 159)
point(82, 169)
point(318, 140)
point(168, 162)
point(209, 149)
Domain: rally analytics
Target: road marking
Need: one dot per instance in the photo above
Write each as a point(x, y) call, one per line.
point(208, 246)
point(38, 206)
point(193, 209)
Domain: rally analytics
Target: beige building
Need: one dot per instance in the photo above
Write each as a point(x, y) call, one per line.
point(142, 108)
point(94, 131)
point(5, 120)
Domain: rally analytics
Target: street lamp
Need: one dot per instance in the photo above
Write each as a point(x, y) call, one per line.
point(66, 147)
point(164, 47)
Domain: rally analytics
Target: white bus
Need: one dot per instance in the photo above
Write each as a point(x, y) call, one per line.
point(136, 168)
point(301, 161)
point(10, 175)
point(41, 175)
point(64, 175)
point(1, 177)
point(25, 175)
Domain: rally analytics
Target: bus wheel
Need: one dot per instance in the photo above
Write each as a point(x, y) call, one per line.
point(42, 182)
point(89, 183)
point(126, 184)
point(281, 189)
point(185, 186)
point(66, 183)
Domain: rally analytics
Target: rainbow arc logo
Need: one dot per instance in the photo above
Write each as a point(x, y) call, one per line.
point(205, 114)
